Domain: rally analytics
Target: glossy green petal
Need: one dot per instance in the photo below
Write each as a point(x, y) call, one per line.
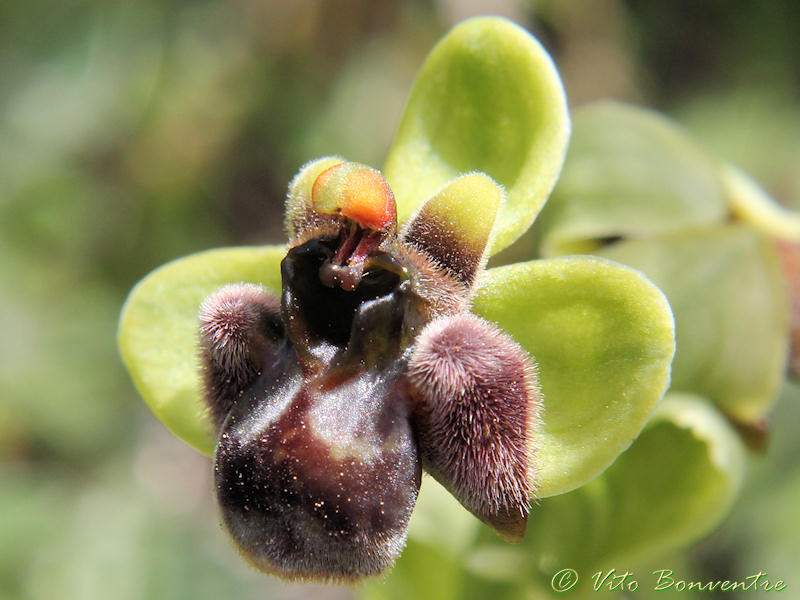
point(629, 172)
point(488, 98)
point(603, 338)
point(726, 289)
point(672, 487)
point(158, 331)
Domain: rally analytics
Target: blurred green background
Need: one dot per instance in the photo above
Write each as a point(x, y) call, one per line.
point(132, 133)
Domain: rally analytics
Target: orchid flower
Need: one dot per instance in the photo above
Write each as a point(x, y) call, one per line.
point(324, 375)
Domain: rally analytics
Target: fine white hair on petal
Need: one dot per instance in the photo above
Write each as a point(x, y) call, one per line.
point(234, 327)
point(477, 406)
point(229, 317)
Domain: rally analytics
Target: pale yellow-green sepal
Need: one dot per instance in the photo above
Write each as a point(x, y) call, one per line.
point(158, 336)
point(488, 98)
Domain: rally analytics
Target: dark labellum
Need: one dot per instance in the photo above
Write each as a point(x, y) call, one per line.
point(331, 400)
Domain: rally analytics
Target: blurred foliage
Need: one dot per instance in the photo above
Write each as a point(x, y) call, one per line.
point(133, 133)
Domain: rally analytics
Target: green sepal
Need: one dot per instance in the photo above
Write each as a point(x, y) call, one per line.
point(158, 337)
point(726, 289)
point(603, 338)
point(488, 98)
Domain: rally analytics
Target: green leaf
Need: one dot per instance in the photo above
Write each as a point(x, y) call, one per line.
point(488, 98)
point(672, 487)
point(629, 172)
point(726, 289)
point(603, 338)
point(158, 331)
point(676, 483)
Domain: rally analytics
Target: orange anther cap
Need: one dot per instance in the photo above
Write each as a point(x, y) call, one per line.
point(357, 192)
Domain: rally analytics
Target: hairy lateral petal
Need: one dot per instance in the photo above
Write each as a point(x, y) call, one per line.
point(239, 329)
point(454, 226)
point(602, 336)
point(476, 406)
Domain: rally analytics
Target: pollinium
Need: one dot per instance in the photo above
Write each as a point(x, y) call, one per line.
point(330, 401)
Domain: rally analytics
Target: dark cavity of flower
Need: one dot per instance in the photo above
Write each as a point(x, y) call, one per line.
point(330, 401)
